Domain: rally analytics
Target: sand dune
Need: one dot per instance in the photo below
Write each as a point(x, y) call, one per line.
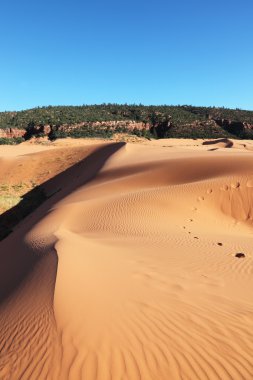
point(128, 269)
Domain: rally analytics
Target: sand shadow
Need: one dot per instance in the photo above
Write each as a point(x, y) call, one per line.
point(227, 143)
point(16, 264)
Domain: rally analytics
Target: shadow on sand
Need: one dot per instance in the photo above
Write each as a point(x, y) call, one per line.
point(17, 258)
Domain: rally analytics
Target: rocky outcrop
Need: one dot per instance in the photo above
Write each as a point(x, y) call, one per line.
point(130, 125)
point(12, 132)
point(124, 125)
point(234, 127)
point(162, 128)
point(237, 128)
point(248, 126)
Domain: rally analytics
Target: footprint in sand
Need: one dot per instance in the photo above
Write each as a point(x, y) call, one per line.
point(239, 255)
point(249, 183)
point(235, 185)
point(200, 199)
point(209, 191)
point(224, 188)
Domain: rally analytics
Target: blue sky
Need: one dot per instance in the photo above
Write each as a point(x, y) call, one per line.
point(150, 52)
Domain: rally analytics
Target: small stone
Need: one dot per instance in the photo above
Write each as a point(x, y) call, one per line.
point(220, 244)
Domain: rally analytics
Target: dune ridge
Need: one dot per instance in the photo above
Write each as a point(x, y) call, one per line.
point(128, 271)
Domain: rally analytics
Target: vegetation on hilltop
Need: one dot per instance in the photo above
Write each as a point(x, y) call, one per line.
point(59, 115)
point(164, 121)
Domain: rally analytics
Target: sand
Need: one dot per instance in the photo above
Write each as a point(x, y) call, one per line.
point(128, 269)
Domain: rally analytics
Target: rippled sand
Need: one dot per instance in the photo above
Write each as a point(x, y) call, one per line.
point(128, 269)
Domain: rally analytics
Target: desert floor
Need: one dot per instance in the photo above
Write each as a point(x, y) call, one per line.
point(128, 269)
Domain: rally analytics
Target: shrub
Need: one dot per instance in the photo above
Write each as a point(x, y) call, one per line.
point(11, 140)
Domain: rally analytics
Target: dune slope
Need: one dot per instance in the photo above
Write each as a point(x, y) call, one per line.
point(129, 271)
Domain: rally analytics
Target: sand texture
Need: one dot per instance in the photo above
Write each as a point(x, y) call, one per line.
point(128, 269)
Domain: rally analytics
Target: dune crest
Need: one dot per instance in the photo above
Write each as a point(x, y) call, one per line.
point(129, 271)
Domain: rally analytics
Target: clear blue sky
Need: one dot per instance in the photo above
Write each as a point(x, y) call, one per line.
point(197, 52)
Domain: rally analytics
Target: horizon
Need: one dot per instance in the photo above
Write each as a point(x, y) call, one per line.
point(150, 53)
point(126, 104)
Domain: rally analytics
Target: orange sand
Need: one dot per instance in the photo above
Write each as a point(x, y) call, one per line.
point(129, 271)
